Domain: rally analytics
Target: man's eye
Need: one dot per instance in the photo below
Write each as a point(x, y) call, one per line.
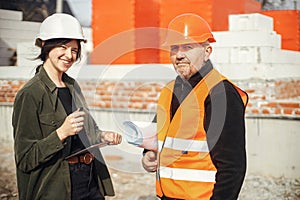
point(174, 48)
point(188, 47)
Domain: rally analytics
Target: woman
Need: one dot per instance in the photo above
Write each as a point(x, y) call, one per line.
point(51, 122)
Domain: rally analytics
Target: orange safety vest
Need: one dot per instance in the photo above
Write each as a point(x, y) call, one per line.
point(186, 170)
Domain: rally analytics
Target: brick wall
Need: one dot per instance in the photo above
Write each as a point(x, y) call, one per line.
point(132, 95)
point(8, 90)
point(272, 98)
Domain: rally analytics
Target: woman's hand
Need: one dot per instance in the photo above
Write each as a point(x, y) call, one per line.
point(72, 125)
point(110, 137)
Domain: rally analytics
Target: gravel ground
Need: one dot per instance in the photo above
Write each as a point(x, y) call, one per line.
point(141, 186)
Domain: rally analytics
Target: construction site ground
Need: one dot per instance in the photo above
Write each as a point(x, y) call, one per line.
point(141, 186)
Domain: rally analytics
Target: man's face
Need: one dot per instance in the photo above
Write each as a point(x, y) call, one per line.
point(187, 59)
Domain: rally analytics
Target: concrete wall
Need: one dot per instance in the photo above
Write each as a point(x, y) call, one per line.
point(273, 147)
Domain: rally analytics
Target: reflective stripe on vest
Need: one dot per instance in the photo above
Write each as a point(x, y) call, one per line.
point(187, 174)
point(184, 145)
point(186, 170)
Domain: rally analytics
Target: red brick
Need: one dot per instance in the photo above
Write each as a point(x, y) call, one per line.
point(255, 111)
point(10, 94)
point(288, 111)
point(145, 89)
point(271, 104)
point(277, 111)
point(107, 105)
point(153, 94)
point(151, 100)
point(278, 83)
point(290, 105)
point(258, 97)
point(5, 87)
point(10, 100)
point(265, 111)
point(140, 94)
point(122, 99)
point(15, 86)
point(158, 89)
point(249, 104)
point(249, 91)
point(135, 99)
point(106, 98)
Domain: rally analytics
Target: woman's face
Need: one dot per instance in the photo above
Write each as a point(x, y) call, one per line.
point(62, 57)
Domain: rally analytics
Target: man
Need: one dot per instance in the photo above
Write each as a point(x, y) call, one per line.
point(200, 122)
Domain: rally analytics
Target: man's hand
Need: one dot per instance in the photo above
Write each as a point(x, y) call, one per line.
point(110, 137)
point(149, 161)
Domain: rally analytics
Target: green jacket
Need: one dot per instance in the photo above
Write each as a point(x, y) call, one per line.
point(42, 171)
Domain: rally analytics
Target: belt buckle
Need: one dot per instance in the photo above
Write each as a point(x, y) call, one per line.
point(88, 158)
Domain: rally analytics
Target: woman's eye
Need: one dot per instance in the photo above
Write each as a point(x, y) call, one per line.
point(63, 46)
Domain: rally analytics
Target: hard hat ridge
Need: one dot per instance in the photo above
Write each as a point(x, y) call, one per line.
point(188, 28)
point(59, 25)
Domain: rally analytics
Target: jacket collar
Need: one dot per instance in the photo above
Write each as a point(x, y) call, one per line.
point(43, 76)
point(50, 84)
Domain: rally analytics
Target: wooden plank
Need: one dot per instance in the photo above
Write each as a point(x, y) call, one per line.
point(12, 42)
point(11, 14)
point(24, 34)
point(19, 25)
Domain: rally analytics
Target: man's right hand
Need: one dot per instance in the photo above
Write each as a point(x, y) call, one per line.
point(149, 161)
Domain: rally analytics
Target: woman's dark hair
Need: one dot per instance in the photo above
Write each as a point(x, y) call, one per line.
point(53, 43)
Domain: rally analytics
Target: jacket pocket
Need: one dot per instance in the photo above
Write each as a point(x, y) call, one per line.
point(49, 122)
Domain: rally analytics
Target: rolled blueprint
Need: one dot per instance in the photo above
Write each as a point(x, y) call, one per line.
point(141, 134)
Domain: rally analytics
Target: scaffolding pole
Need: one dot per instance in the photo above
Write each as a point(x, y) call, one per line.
point(59, 6)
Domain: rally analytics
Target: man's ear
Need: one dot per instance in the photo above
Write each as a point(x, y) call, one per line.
point(208, 51)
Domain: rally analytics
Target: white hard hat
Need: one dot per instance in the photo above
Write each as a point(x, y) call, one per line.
point(59, 25)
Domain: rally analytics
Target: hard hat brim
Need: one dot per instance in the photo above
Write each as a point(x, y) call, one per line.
point(39, 41)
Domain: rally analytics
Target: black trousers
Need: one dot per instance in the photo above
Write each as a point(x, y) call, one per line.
point(83, 184)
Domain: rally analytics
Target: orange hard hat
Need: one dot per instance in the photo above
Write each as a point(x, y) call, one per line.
point(188, 28)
